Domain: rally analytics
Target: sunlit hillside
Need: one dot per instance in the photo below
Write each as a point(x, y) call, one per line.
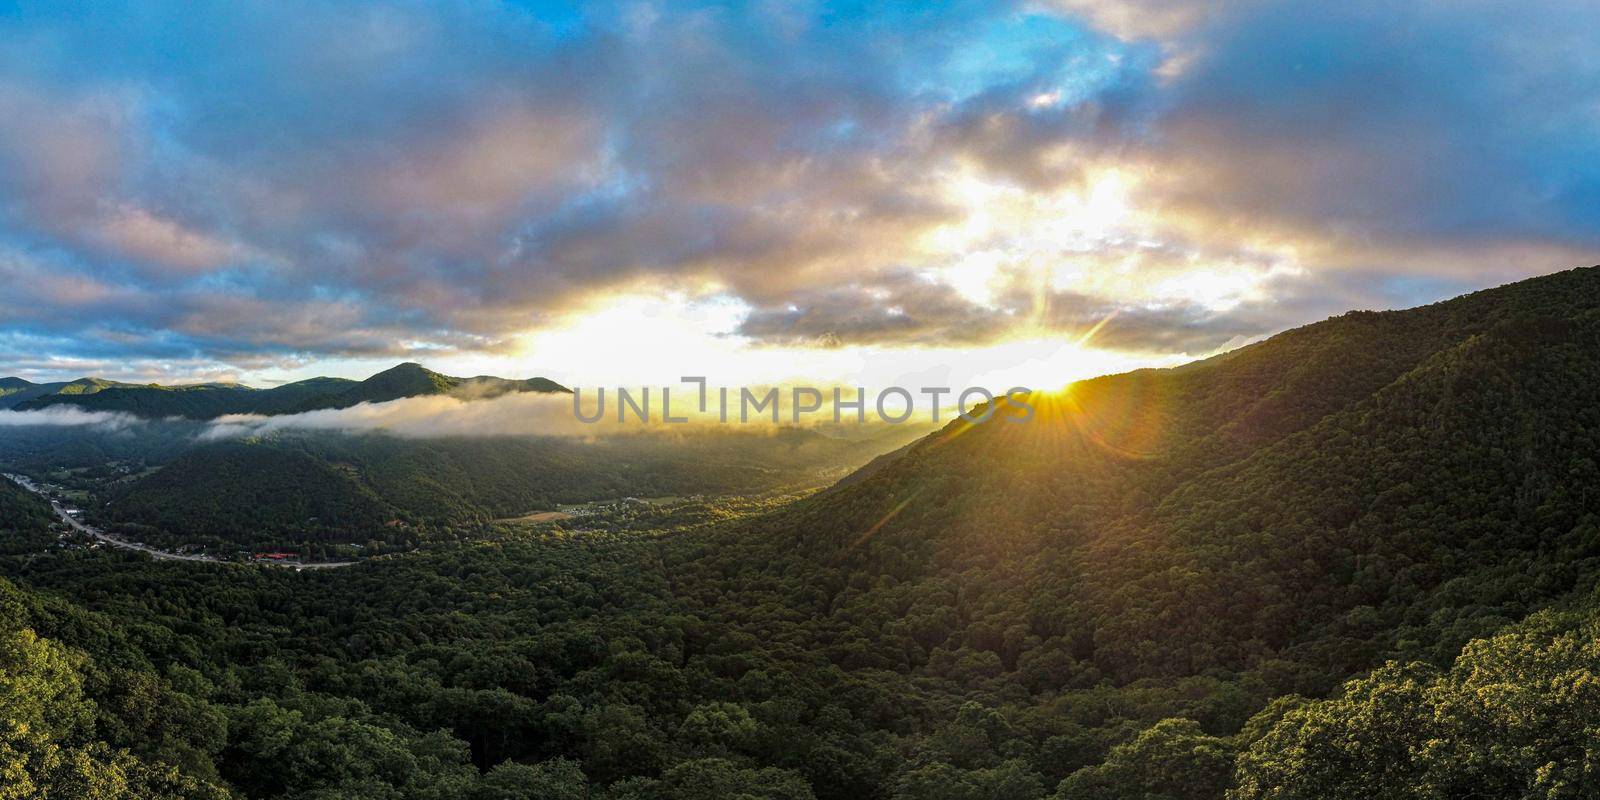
point(1187, 578)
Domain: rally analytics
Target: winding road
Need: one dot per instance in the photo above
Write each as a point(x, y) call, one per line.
point(153, 552)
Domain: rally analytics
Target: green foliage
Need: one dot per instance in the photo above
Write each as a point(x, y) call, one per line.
point(249, 494)
point(21, 509)
point(47, 733)
point(556, 779)
point(285, 491)
point(1515, 716)
point(1293, 571)
point(15, 391)
point(290, 753)
point(717, 779)
point(1172, 760)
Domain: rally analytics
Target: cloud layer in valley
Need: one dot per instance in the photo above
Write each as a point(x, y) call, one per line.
point(424, 417)
point(67, 417)
point(215, 188)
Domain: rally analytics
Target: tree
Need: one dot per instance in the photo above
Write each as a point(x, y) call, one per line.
point(1516, 716)
point(557, 779)
point(1172, 760)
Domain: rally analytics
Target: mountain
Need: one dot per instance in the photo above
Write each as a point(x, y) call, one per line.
point(1358, 559)
point(413, 380)
point(211, 400)
point(403, 380)
point(15, 391)
point(297, 396)
point(241, 493)
point(490, 386)
point(196, 401)
point(1251, 528)
point(1366, 461)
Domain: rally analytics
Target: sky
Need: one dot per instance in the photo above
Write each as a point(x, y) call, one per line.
point(620, 193)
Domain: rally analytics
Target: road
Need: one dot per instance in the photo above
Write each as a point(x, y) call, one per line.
point(153, 552)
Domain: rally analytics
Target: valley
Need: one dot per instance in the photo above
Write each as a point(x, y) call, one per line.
point(70, 517)
point(173, 484)
point(1196, 577)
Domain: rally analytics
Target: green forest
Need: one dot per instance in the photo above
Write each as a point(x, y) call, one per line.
point(168, 484)
point(1355, 560)
point(394, 493)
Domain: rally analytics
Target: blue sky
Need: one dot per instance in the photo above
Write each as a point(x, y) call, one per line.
point(266, 191)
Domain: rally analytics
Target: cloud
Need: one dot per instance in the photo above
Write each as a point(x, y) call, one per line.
point(1149, 19)
point(227, 185)
point(421, 417)
point(1421, 125)
point(895, 307)
point(524, 414)
point(68, 417)
point(1181, 319)
point(139, 234)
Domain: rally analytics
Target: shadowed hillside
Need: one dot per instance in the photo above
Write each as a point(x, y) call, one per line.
point(288, 489)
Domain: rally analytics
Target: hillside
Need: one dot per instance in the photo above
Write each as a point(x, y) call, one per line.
point(1360, 559)
point(1455, 458)
point(21, 509)
point(16, 391)
point(254, 496)
point(1374, 487)
point(288, 489)
point(212, 400)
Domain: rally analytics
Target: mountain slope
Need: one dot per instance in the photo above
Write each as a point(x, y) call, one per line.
point(291, 397)
point(1356, 560)
point(404, 380)
point(285, 489)
point(200, 401)
point(16, 391)
point(251, 495)
point(1175, 493)
point(1276, 520)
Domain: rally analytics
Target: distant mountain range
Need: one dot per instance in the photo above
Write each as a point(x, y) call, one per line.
point(15, 391)
point(211, 400)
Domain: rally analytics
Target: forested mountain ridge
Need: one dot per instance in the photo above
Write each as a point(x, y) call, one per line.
point(414, 380)
point(1481, 447)
point(15, 391)
point(211, 400)
point(1164, 525)
point(1161, 426)
point(1358, 560)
